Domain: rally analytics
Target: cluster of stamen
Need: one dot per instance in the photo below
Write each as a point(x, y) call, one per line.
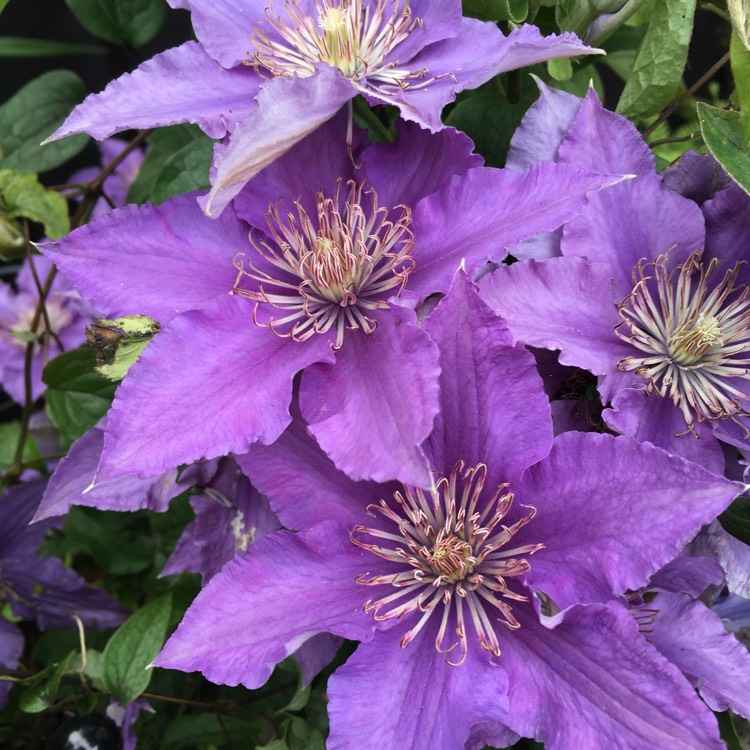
point(355, 36)
point(451, 550)
point(332, 272)
point(694, 337)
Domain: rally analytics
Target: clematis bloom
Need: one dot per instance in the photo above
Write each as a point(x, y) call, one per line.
point(491, 601)
point(318, 267)
point(665, 313)
point(267, 74)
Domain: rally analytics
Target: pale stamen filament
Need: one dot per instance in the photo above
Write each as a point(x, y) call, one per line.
point(695, 338)
point(449, 553)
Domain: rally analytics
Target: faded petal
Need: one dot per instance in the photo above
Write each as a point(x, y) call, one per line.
point(11, 648)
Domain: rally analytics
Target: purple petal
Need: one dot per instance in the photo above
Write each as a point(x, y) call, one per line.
point(182, 84)
point(427, 704)
point(486, 211)
point(418, 164)
point(633, 220)
point(372, 409)
point(657, 420)
point(728, 229)
point(11, 648)
point(224, 27)
point(733, 555)
point(287, 111)
point(603, 141)
point(159, 260)
point(593, 682)
point(493, 408)
point(438, 21)
point(262, 607)
point(561, 303)
point(229, 515)
point(476, 54)
point(290, 178)
point(18, 504)
point(606, 513)
point(73, 484)
point(542, 128)
point(209, 384)
point(687, 575)
point(696, 176)
point(50, 594)
point(693, 638)
point(302, 483)
point(316, 654)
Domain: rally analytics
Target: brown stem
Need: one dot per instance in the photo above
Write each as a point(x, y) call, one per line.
point(677, 103)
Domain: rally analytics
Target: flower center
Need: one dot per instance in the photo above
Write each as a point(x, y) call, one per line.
point(354, 36)
point(332, 273)
point(450, 554)
point(694, 337)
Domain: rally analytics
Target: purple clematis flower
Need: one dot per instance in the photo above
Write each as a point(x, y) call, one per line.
point(448, 588)
point(692, 635)
point(267, 74)
point(64, 323)
point(319, 270)
point(40, 588)
point(230, 514)
point(644, 296)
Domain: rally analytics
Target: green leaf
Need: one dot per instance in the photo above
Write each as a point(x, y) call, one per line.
point(723, 134)
point(116, 547)
point(497, 10)
point(740, 56)
point(490, 121)
point(185, 170)
point(205, 730)
point(728, 732)
point(736, 519)
point(3, 3)
point(163, 144)
point(22, 46)
point(739, 12)
point(128, 22)
point(95, 669)
point(119, 343)
point(660, 60)
point(10, 432)
point(41, 695)
point(77, 398)
point(32, 115)
point(133, 647)
point(23, 195)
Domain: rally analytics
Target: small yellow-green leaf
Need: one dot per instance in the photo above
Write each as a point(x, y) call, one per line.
point(24, 196)
point(723, 134)
point(660, 60)
point(560, 69)
point(119, 343)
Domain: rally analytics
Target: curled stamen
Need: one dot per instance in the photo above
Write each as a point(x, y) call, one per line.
point(448, 549)
point(355, 37)
point(332, 274)
point(693, 337)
